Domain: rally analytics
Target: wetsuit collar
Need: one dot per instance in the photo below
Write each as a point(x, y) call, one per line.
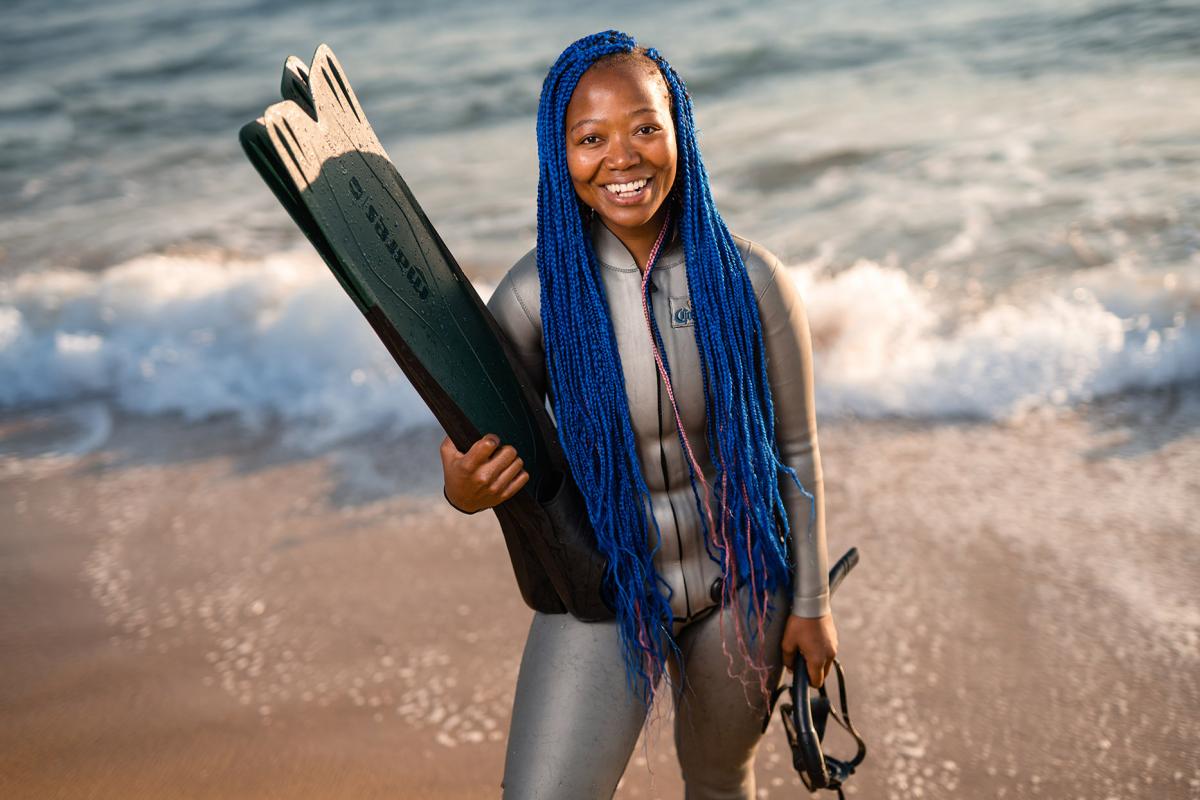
point(612, 253)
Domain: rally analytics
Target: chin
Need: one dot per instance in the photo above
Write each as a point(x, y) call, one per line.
point(629, 217)
point(628, 220)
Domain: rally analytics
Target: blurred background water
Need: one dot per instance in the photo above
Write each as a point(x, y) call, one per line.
point(988, 208)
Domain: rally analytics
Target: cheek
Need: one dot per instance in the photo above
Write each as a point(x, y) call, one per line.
point(579, 167)
point(668, 159)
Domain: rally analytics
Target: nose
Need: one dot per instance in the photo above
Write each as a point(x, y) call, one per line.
point(621, 153)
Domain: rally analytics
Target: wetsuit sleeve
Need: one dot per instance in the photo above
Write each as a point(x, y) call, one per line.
point(790, 372)
point(516, 306)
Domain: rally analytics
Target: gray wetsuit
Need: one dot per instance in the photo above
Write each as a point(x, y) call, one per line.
point(574, 722)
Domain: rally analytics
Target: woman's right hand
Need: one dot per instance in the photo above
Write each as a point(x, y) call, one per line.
point(484, 476)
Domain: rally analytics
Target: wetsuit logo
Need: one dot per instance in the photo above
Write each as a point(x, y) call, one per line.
point(410, 271)
point(681, 312)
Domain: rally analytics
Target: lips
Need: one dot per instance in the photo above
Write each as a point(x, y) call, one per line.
point(629, 192)
point(627, 188)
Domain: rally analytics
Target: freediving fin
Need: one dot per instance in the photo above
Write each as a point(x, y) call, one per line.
point(256, 142)
point(319, 155)
point(294, 85)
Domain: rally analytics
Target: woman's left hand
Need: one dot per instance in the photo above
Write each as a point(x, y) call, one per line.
point(816, 639)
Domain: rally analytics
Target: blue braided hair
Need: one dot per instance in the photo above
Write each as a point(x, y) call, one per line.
point(587, 385)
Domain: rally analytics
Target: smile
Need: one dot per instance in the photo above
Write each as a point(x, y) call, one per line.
point(629, 192)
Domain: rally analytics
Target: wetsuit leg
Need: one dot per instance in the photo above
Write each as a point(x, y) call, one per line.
point(716, 730)
point(574, 722)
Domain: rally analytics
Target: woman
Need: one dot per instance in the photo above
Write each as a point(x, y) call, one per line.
point(678, 362)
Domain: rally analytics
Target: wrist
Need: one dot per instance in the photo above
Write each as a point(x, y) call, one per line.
point(457, 507)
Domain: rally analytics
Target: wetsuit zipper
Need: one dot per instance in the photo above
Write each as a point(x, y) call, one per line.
point(662, 462)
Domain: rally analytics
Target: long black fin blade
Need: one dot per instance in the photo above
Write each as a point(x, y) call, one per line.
point(257, 144)
point(331, 68)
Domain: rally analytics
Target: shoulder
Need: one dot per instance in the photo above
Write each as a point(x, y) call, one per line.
point(525, 270)
point(519, 292)
point(761, 264)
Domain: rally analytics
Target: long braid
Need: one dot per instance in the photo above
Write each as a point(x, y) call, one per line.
point(587, 388)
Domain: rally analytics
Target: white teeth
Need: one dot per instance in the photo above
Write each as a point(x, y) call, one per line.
point(625, 188)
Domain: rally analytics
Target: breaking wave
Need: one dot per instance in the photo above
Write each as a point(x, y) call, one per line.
point(276, 340)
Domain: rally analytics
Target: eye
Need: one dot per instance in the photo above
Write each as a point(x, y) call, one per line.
point(591, 138)
point(646, 130)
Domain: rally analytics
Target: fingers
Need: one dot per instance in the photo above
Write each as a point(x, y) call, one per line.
point(485, 475)
point(480, 452)
point(810, 644)
point(515, 486)
point(507, 474)
point(816, 673)
point(819, 669)
point(490, 472)
point(816, 669)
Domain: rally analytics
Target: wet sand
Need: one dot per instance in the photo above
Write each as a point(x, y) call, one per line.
point(198, 611)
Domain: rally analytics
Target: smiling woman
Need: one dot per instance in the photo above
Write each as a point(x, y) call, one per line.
point(621, 149)
point(678, 363)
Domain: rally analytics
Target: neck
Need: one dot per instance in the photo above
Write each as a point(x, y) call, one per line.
point(640, 241)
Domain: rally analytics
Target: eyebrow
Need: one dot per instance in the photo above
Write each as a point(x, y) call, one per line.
point(633, 113)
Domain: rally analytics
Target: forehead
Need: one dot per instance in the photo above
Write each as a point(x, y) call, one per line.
point(609, 88)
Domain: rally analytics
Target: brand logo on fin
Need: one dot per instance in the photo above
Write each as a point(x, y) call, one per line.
point(414, 275)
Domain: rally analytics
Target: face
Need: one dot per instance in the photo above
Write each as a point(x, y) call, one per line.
point(621, 149)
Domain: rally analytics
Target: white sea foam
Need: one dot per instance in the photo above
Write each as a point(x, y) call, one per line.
point(277, 339)
point(883, 348)
point(269, 339)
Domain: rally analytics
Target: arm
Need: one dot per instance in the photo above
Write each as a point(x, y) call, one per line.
point(788, 342)
point(789, 370)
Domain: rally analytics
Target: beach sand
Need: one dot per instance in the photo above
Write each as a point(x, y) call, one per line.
point(192, 610)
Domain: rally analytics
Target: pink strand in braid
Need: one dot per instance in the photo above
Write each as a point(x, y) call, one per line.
point(723, 543)
point(662, 370)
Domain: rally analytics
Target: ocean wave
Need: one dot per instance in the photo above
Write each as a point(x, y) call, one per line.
point(885, 347)
point(276, 340)
point(267, 340)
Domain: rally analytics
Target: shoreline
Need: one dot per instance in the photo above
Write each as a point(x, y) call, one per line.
point(194, 611)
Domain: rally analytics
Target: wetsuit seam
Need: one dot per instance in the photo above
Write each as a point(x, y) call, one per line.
point(521, 302)
point(695, 615)
point(614, 268)
point(774, 267)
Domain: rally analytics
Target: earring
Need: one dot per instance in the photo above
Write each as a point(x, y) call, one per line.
point(587, 214)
